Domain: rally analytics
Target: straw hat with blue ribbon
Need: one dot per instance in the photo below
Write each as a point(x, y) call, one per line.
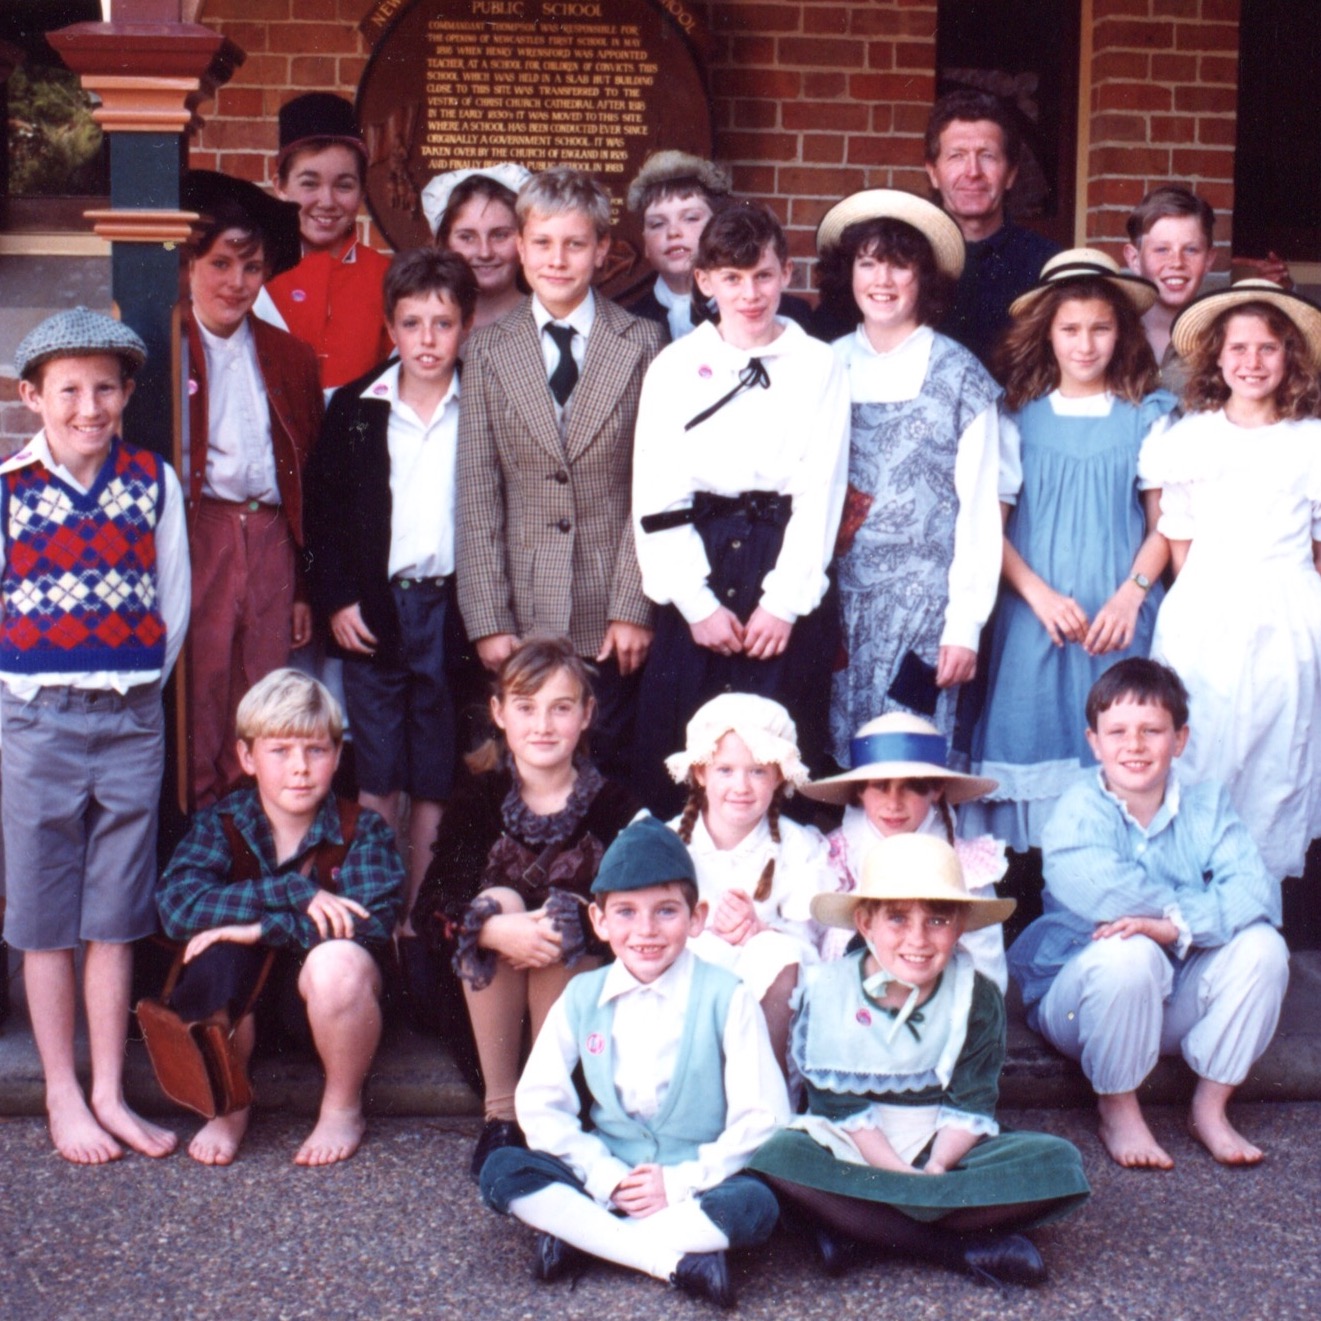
point(898, 746)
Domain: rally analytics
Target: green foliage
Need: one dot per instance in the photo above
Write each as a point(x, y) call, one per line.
point(54, 144)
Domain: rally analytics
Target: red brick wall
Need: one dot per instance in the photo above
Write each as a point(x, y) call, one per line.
point(815, 98)
point(1163, 103)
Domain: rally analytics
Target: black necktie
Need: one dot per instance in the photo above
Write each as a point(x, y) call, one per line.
point(565, 375)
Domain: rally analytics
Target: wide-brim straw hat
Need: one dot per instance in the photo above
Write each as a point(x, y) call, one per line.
point(765, 726)
point(1086, 264)
point(898, 747)
point(893, 204)
point(1196, 319)
point(909, 868)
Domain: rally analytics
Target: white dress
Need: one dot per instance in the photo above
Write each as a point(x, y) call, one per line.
point(802, 869)
point(1242, 623)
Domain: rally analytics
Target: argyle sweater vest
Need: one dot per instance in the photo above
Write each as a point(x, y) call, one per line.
point(79, 585)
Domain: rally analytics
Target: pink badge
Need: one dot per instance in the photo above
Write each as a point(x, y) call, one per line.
point(595, 1043)
point(298, 296)
point(704, 372)
point(193, 387)
point(864, 1017)
point(380, 389)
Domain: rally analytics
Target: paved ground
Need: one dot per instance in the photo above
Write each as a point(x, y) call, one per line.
point(399, 1232)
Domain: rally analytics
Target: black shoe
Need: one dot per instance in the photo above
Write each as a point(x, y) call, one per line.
point(1004, 1259)
point(704, 1275)
point(496, 1134)
point(837, 1252)
point(556, 1259)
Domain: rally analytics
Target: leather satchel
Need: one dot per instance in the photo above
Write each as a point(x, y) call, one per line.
point(194, 1061)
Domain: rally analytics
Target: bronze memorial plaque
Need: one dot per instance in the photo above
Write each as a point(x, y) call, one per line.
point(463, 84)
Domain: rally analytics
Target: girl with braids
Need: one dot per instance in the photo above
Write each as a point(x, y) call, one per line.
point(513, 865)
point(756, 871)
point(1240, 501)
point(901, 784)
point(1082, 556)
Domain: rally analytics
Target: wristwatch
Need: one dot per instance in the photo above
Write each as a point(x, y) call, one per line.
point(1142, 581)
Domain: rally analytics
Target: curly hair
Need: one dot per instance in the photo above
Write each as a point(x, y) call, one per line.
point(1298, 394)
point(885, 239)
point(1024, 361)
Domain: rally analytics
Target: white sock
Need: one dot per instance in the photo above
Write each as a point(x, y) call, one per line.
point(685, 1227)
point(572, 1216)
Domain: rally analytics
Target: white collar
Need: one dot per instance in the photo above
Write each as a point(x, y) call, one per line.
point(921, 337)
point(386, 388)
point(1166, 812)
point(582, 318)
point(673, 981)
point(225, 345)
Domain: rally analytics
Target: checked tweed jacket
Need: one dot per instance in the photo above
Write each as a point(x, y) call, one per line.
point(544, 538)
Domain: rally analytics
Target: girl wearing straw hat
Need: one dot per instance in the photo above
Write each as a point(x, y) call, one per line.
point(919, 546)
point(900, 784)
point(900, 1045)
point(1239, 484)
point(1082, 558)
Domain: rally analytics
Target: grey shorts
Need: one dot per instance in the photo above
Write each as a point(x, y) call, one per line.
point(82, 776)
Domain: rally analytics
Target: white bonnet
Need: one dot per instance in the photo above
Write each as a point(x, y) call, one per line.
point(765, 726)
point(436, 195)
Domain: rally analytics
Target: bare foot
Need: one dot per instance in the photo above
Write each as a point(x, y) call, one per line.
point(74, 1130)
point(335, 1138)
point(217, 1142)
point(1209, 1124)
point(133, 1131)
point(1125, 1135)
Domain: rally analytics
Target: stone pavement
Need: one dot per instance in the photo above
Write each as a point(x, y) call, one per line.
point(415, 1076)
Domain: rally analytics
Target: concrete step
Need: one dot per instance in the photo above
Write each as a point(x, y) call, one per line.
point(415, 1075)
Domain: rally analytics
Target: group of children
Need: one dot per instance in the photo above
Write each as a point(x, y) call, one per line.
point(747, 560)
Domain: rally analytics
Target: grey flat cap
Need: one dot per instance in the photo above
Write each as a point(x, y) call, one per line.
point(78, 334)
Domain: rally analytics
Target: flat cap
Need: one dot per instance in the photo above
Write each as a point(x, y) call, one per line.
point(78, 333)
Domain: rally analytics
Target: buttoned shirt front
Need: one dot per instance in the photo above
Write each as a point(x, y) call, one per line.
point(240, 458)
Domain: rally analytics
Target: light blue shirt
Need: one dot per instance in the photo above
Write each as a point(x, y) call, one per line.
point(1195, 864)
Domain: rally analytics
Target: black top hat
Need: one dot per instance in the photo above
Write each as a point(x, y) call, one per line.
point(211, 194)
point(318, 115)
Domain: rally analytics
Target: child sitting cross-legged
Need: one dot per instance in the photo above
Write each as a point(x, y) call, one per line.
point(330, 931)
point(683, 1089)
point(900, 1044)
point(1159, 931)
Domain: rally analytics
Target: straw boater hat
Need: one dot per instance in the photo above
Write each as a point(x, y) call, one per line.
point(1086, 264)
point(667, 166)
point(892, 204)
point(1196, 319)
point(911, 867)
point(436, 195)
point(765, 726)
point(898, 747)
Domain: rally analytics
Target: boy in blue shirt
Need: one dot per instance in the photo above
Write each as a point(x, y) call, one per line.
point(684, 1088)
point(1158, 934)
point(94, 590)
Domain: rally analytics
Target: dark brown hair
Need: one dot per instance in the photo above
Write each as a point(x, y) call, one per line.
point(1298, 394)
point(737, 234)
point(1137, 679)
point(311, 146)
point(225, 215)
point(1165, 203)
point(526, 671)
point(885, 239)
point(423, 271)
point(968, 106)
point(475, 185)
point(1025, 362)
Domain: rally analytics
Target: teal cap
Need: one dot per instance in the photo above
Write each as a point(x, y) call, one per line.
point(646, 852)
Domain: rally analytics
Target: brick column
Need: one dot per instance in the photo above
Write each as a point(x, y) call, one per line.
point(1163, 103)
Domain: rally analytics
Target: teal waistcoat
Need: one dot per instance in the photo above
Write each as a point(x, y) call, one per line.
point(694, 1109)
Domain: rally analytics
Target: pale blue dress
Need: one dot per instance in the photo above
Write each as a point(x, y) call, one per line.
point(1077, 520)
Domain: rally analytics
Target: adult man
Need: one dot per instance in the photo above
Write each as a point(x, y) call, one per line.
point(972, 152)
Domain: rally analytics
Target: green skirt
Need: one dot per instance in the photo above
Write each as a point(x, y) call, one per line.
point(999, 1171)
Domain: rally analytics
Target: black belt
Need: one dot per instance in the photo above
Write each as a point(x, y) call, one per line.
point(434, 583)
point(759, 506)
